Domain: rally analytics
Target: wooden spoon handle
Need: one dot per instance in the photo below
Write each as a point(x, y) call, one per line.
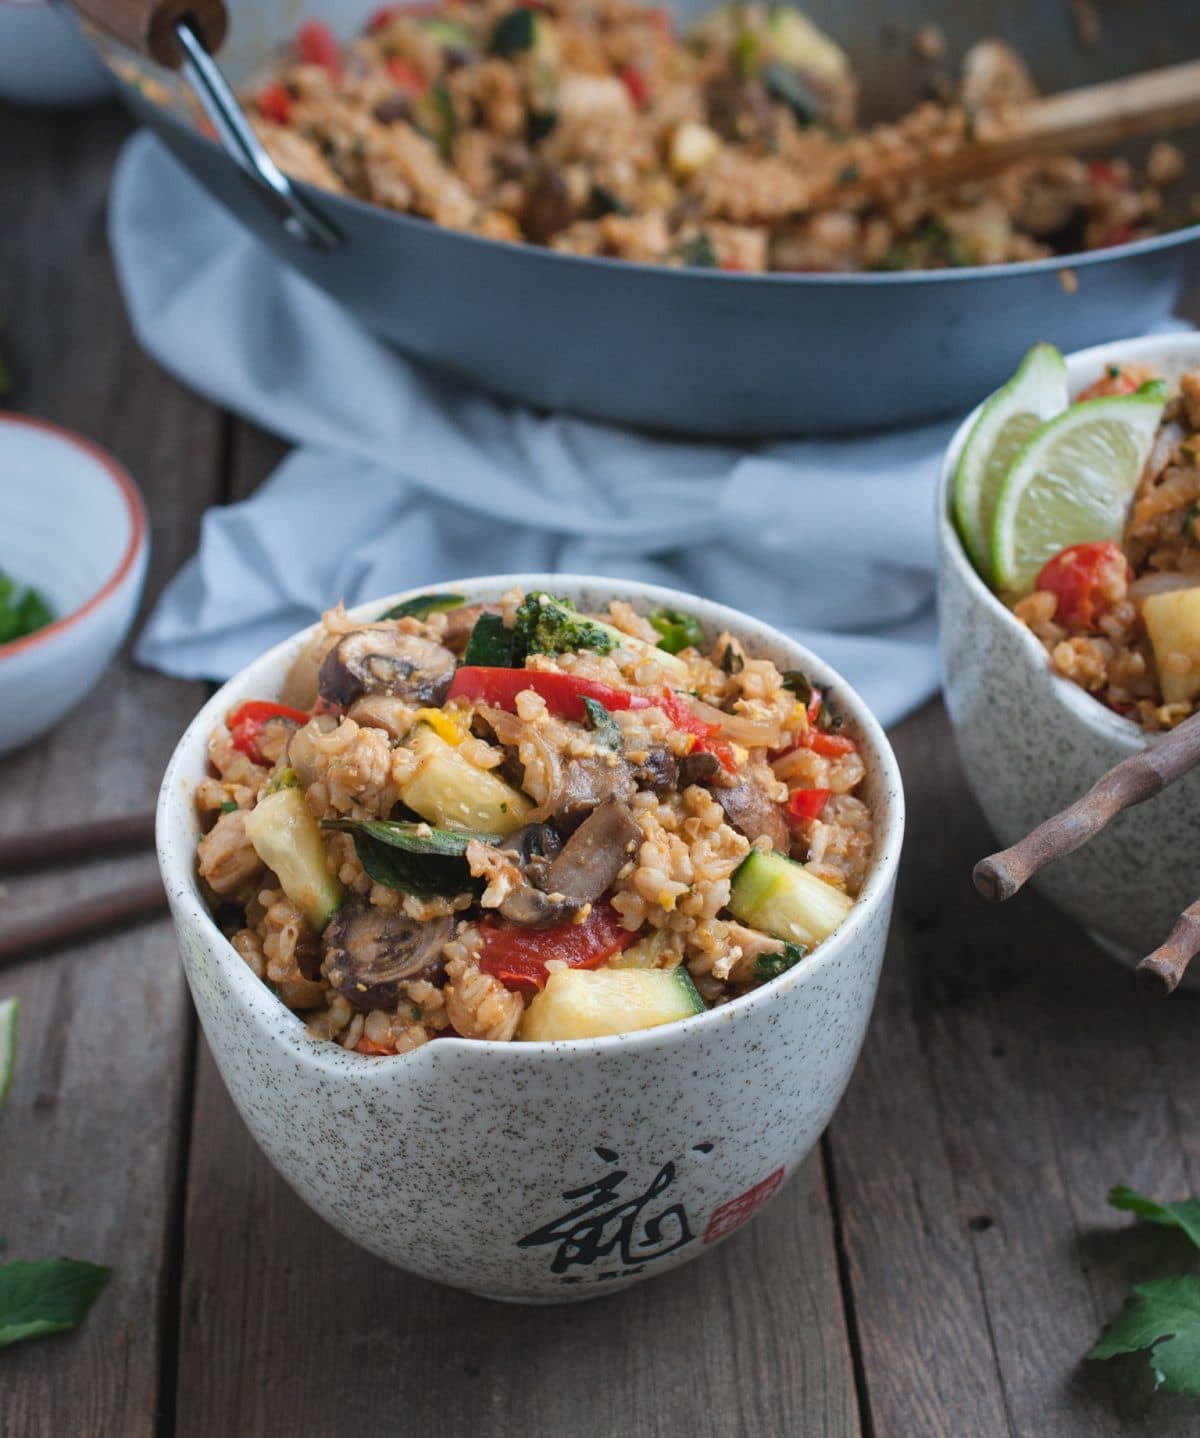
point(1132, 781)
point(1165, 967)
point(149, 25)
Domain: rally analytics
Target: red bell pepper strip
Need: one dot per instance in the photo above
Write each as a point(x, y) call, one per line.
point(274, 103)
point(517, 957)
point(684, 717)
point(407, 76)
point(635, 82)
point(247, 722)
point(315, 45)
point(369, 1046)
point(564, 693)
point(806, 803)
point(1079, 577)
point(829, 746)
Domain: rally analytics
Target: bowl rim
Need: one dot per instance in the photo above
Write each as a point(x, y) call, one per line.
point(179, 876)
point(106, 464)
point(1104, 723)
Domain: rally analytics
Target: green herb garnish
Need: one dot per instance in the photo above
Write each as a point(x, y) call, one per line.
point(46, 1295)
point(1162, 1318)
point(230, 806)
point(514, 32)
point(607, 731)
point(697, 252)
point(679, 630)
point(22, 611)
point(770, 966)
point(731, 661)
point(790, 88)
point(799, 683)
point(421, 606)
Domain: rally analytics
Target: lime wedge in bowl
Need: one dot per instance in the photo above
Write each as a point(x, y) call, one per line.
point(1072, 483)
point(1007, 421)
point(9, 1009)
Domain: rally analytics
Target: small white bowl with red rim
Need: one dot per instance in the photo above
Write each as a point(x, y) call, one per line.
point(73, 527)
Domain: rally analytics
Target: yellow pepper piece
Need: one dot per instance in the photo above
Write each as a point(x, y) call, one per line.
point(443, 724)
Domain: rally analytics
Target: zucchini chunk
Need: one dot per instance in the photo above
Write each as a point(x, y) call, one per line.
point(285, 836)
point(589, 1003)
point(780, 897)
point(450, 791)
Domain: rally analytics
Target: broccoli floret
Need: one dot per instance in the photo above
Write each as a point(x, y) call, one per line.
point(546, 625)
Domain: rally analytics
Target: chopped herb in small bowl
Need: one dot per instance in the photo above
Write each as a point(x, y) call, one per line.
point(22, 610)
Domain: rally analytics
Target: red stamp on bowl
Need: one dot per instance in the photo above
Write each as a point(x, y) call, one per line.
point(736, 1211)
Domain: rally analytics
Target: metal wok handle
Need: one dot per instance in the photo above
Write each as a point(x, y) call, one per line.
point(182, 34)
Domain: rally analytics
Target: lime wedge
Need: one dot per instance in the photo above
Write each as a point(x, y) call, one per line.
point(1072, 482)
point(1036, 393)
point(9, 1009)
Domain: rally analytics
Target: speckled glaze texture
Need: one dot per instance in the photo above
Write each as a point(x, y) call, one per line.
point(1031, 742)
point(543, 1172)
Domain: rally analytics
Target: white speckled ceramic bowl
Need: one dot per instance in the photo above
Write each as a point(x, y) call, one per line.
point(1032, 742)
point(72, 524)
point(544, 1172)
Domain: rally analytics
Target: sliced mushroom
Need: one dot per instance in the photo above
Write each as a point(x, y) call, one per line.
point(553, 891)
point(595, 854)
point(548, 207)
point(369, 954)
point(697, 768)
point(752, 813)
point(585, 785)
point(386, 661)
point(658, 771)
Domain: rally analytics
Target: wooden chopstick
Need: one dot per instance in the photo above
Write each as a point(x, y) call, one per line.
point(1166, 966)
point(1151, 102)
point(21, 853)
point(26, 938)
point(1132, 781)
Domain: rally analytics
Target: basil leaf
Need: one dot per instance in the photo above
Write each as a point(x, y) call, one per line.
point(46, 1295)
point(414, 858)
point(606, 728)
point(491, 644)
point(731, 661)
point(421, 606)
point(799, 683)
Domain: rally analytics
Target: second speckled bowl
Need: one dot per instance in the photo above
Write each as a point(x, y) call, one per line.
point(1032, 742)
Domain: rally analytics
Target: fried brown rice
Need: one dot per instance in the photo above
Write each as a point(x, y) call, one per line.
point(467, 819)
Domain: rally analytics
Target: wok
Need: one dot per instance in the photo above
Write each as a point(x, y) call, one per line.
point(692, 351)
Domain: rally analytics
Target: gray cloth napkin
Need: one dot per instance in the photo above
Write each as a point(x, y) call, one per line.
point(400, 479)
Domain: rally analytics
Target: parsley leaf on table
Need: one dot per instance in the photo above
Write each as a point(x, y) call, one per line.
point(1184, 1215)
point(46, 1295)
point(1163, 1316)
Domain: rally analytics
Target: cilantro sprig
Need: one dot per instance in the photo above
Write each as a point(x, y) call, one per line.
point(1162, 1317)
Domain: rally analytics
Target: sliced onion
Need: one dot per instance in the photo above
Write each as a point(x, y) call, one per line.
point(1168, 440)
point(739, 728)
point(1141, 589)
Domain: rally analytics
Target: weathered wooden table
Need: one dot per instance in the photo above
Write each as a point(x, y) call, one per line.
point(938, 1268)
